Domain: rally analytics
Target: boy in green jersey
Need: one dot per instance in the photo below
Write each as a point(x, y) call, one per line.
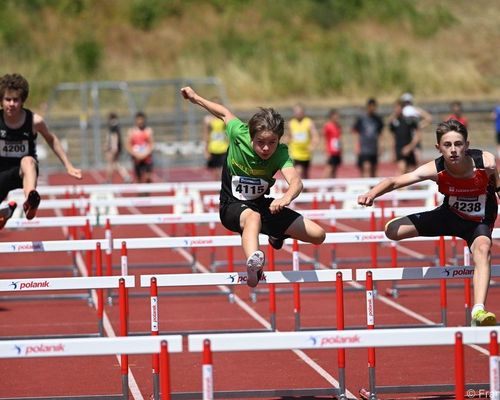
point(254, 156)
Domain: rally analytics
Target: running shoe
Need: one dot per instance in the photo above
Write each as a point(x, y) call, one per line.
point(254, 268)
point(6, 213)
point(483, 318)
point(30, 206)
point(276, 243)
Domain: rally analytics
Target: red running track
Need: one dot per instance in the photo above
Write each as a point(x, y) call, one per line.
point(212, 311)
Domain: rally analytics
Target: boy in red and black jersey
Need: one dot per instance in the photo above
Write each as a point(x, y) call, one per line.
point(469, 180)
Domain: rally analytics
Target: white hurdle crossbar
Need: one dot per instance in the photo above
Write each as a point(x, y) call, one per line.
point(64, 347)
point(353, 339)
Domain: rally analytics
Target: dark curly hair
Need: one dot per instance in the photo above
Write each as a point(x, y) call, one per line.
point(15, 82)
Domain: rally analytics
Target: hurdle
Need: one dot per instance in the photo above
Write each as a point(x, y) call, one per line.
point(72, 347)
point(457, 337)
point(97, 283)
point(224, 279)
point(422, 273)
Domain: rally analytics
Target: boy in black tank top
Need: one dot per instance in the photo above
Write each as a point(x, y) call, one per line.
point(469, 181)
point(18, 160)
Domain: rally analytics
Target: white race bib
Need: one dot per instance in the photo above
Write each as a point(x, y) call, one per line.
point(300, 137)
point(14, 149)
point(245, 188)
point(473, 207)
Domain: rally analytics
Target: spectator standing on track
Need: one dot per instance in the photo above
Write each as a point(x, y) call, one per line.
point(457, 113)
point(255, 155)
point(19, 127)
point(406, 137)
point(332, 131)
point(114, 150)
point(368, 127)
point(216, 144)
point(302, 139)
point(495, 116)
point(469, 180)
point(140, 146)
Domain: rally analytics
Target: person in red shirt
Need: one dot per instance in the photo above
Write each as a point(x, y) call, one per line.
point(140, 146)
point(468, 179)
point(457, 113)
point(332, 132)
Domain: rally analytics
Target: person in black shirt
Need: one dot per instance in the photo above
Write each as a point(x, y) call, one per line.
point(406, 138)
point(18, 160)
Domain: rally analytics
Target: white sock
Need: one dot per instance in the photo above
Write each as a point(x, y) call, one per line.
point(476, 308)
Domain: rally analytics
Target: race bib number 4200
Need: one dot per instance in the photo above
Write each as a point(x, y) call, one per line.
point(13, 149)
point(245, 188)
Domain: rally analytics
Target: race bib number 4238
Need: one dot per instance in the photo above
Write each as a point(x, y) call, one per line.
point(245, 188)
point(473, 207)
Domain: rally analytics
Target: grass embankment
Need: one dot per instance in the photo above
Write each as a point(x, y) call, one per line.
point(329, 51)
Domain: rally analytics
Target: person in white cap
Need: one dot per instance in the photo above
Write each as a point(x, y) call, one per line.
point(422, 117)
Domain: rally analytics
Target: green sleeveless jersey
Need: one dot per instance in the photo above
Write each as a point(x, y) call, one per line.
point(245, 176)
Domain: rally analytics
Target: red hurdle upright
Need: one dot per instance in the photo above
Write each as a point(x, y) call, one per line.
point(296, 286)
point(207, 372)
point(123, 332)
point(155, 332)
point(272, 288)
point(494, 367)
point(100, 292)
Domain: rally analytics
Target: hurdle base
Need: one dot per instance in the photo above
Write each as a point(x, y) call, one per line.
point(440, 388)
point(60, 336)
point(93, 397)
point(333, 328)
point(264, 393)
point(201, 332)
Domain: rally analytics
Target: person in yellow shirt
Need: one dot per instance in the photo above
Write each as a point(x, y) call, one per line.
point(303, 138)
point(216, 143)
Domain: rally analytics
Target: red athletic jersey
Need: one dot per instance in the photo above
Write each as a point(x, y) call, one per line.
point(463, 120)
point(470, 198)
point(333, 133)
point(140, 140)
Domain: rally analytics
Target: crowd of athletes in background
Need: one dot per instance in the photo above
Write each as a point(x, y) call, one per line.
point(398, 138)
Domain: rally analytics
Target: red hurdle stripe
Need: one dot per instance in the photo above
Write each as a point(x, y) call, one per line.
point(373, 245)
point(123, 326)
point(88, 253)
point(339, 290)
point(100, 292)
point(207, 371)
point(154, 321)
point(296, 286)
point(459, 367)
point(272, 288)
point(109, 251)
point(442, 282)
point(165, 371)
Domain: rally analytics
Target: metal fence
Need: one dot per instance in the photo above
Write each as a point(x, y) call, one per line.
point(77, 113)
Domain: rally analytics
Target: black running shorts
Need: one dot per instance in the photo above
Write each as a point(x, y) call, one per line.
point(10, 179)
point(443, 222)
point(272, 224)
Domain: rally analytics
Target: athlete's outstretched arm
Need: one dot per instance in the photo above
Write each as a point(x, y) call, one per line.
point(422, 173)
point(55, 145)
point(216, 109)
point(295, 186)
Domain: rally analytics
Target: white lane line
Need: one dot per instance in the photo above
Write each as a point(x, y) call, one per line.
point(250, 311)
point(392, 303)
point(108, 328)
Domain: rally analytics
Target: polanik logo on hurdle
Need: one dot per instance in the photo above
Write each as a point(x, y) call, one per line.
point(31, 350)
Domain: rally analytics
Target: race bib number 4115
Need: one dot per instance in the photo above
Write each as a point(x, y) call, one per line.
point(245, 188)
